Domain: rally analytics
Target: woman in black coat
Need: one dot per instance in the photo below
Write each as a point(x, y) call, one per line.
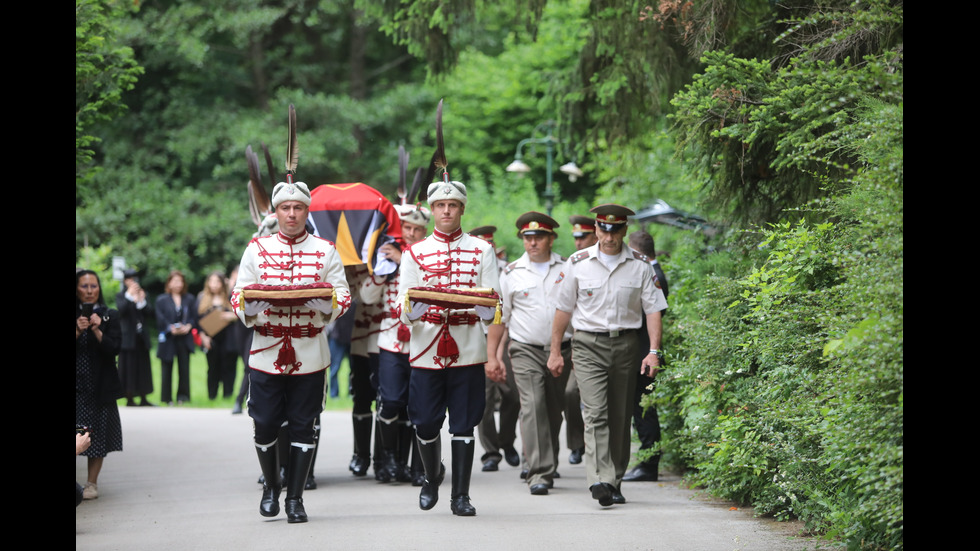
point(176, 316)
point(97, 387)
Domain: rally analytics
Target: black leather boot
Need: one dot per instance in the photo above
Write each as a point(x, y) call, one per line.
point(435, 472)
point(272, 484)
point(361, 460)
point(406, 434)
point(299, 467)
point(418, 471)
point(388, 470)
point(463, 449)
point(310, 479)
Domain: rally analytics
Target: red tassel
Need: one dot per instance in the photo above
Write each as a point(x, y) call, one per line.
point(404, 333)
point(447, 345)
point(287, 355)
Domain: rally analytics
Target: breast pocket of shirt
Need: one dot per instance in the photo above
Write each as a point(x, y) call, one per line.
point(589, 290)
point(628, 295)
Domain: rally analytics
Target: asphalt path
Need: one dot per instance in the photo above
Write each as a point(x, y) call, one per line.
point(187, 480)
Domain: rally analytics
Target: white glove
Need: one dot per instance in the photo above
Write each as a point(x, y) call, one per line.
point(253, 307)
point(418, 309)
point(321, 305)
point(485, 312)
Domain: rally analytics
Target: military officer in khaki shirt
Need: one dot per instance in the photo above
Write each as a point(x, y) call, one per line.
point(528, 310)
point(605, 292)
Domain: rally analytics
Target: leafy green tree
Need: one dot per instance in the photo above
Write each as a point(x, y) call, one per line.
point(104, 70)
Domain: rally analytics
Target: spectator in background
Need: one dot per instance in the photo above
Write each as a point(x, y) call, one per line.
point(176, 316)
point(215, 318)
point(134, 351)
point(97, 386)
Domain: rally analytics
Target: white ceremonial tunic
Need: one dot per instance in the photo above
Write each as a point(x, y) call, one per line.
point(604, 300)
point(393, 335)
point(528, 300)
point(281, 331)
point(456, 261)
point(368, 314)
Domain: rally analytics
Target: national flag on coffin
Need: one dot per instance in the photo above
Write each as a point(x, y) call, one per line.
point(356, 217)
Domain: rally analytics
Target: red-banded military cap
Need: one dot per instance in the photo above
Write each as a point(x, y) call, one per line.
point(535, 223)
point(611, 217)
point(484, 232)
point(581, 225)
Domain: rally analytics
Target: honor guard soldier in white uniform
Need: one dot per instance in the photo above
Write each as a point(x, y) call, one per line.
point(606, 291)
point(528, 310)
point(583, 232)
point(449, 349)
point(289, 354)
point(503, 393)
point(394, 336)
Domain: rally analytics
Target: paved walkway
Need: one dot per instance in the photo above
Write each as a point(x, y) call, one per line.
point(187, 480)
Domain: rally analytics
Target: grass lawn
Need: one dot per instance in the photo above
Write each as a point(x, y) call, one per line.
point(199, 386)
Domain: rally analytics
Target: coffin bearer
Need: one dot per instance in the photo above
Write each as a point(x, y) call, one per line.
point(606, 291)
point(528, 311)
point(289, 354)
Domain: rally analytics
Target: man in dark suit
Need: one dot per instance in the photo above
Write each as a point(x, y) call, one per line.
point(646, 421)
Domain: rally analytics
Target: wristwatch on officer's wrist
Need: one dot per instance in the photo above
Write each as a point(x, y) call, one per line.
point(659, 353)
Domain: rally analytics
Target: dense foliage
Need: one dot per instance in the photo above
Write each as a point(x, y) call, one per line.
point(786, 389)
point(785, 383)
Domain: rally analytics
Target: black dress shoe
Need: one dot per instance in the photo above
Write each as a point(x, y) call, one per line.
point(641, 473)
point(490, 464)
point(539, 489)
point(601, 493)
point(310, 483)
point(513, 458)
point(524, 474)
point(617, 496)
point(575, 457)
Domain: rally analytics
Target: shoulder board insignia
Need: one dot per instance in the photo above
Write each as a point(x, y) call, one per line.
point(639, 256)
point(510, 267)
point(580, 256)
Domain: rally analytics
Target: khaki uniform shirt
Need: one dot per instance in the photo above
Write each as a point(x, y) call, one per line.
point(528, 299)
point(601, 300)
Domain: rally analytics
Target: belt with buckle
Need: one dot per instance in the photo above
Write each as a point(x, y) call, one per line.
point(611, 334)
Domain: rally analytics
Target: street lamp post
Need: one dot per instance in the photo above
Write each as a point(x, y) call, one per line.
point(549, 142)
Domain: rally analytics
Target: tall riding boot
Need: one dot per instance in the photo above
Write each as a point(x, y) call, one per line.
point(272, 485)
point(380, 457)
point(310, 479)
point(418, 470)
point(361, 460)
point(389, 439)
point(300, 458)
point(435, 472)
point(463, 448)
point(406, 434)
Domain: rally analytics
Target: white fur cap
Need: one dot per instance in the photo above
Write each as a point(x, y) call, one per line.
point(296, 191)
point(419, 216)
point(441, 191)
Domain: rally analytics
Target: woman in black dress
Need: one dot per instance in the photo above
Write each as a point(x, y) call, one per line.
point(97, 387)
